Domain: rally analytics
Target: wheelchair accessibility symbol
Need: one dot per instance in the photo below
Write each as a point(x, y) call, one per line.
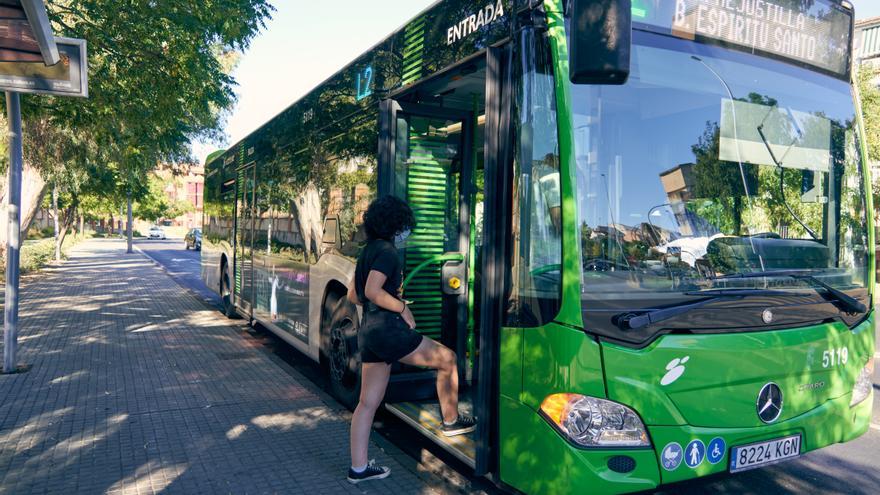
point(715, 450)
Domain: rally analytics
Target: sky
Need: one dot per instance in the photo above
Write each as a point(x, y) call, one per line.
point(306, 42)
point(866, 8)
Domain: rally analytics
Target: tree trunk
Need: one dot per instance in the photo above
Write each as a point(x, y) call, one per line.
point(55, 220)
point(129, 251)
point(32, 189)
point(737, 214)
point(67, 220)
point(82, 225)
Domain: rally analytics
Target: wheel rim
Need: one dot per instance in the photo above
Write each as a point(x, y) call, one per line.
point(340, 351)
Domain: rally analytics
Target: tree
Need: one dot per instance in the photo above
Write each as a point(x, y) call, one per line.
point(159, 78)
point(867, 77)
point(723, 180)
point(155, 204)
point(869, 92)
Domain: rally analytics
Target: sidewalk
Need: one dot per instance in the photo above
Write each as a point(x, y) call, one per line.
point(137, 387)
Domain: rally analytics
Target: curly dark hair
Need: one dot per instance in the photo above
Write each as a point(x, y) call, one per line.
point(388, 216)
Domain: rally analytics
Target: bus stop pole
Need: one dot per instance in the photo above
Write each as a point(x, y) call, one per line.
point(10, 304)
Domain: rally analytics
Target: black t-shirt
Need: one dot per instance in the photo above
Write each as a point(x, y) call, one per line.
point(379, 255)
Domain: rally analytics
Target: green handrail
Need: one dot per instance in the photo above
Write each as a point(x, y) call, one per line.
point(440, 258)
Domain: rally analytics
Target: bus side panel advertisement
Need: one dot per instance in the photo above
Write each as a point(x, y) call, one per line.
point(281, 295)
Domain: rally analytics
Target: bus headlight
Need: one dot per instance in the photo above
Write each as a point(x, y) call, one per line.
point(592, 422)
point(862, 388)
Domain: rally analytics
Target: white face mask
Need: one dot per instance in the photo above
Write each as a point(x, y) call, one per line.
point(400, 238)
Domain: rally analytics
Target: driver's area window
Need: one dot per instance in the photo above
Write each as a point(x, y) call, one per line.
point(536, 276)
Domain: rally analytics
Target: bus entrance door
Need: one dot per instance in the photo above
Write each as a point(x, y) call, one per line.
point(244, 236)
point(429, 163)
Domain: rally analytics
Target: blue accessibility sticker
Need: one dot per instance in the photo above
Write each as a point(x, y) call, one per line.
point(715, 450)
point(671, 456)
point(694, 453)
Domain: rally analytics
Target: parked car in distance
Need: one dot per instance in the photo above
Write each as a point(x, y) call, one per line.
point(193, 239)
point(156, 232)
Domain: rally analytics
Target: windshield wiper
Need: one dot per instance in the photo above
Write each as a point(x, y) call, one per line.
point(851, 304)
point(635, 321)
point(782, 182)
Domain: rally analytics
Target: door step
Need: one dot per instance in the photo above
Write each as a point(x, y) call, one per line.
point(425, 417)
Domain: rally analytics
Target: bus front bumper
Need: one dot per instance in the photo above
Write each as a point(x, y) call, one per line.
point(832, 422)
point(544, 462)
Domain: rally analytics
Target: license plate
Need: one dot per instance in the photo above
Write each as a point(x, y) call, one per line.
point(763, 453)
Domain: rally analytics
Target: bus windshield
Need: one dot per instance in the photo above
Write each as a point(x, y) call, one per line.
point(709, 166)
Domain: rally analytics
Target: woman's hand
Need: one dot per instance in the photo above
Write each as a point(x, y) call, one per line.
point(408, 317)
point(352, 295)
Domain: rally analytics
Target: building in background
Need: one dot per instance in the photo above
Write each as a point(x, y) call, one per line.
point(867, 41)
point(188, 187)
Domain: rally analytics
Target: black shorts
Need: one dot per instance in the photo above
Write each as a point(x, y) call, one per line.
point(385, 338)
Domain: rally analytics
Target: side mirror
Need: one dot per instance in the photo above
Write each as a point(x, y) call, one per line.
point(601, 39)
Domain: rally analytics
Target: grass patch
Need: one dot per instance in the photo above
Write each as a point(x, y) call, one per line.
point(36, 254)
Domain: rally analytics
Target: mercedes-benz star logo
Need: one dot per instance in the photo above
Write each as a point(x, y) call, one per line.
point(769, 403)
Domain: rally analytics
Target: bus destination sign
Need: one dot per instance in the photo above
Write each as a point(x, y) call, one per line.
point(816, 33)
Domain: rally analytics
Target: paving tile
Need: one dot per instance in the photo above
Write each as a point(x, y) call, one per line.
point(138, 388)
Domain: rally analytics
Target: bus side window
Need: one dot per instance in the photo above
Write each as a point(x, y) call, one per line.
point(348, 173)
point(536, 276)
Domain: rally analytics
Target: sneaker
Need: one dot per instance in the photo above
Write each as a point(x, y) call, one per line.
point(372, 472)
point(462, 425)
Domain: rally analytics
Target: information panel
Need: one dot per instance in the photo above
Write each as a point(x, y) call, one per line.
point(69, 77)
point(816, 32)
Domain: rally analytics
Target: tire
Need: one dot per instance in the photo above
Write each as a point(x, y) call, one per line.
point(185, 246)
point(228, 307)
point(343, 361)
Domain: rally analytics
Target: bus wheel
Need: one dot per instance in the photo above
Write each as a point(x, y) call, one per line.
point(226, 295)
point(343, 359)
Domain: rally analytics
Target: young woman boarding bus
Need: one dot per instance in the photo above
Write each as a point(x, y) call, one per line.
point(387, 334)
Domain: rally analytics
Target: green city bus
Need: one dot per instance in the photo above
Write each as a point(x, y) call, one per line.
point(643, 225)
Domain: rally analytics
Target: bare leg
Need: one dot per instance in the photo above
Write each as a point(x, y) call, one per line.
point(374, 380)
point(430, 354)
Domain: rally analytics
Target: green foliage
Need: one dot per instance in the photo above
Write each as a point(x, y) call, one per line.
point(155, 203)
point(720, 196)
point(868, 86)
point(159, 77)
point(36, 255)
point(869, 92)
point(721, 179)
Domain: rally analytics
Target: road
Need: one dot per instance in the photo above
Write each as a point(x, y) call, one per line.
point(182, 264)
point(851, 468)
